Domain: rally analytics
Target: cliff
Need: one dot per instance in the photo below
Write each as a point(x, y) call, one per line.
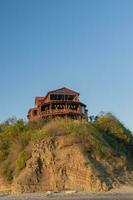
point(75, 156)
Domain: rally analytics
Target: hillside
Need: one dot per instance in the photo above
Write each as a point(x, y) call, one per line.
point(65, 155)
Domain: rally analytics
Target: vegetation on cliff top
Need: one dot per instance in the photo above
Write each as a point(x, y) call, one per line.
point(105, 138)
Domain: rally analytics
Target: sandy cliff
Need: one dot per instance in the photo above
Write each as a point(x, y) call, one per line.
point(65, 155)
point(59, 163)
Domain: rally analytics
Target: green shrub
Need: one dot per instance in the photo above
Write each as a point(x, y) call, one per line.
point(110, 124)
point(21, 161)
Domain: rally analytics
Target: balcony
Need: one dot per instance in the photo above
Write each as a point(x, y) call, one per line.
point(59, 111)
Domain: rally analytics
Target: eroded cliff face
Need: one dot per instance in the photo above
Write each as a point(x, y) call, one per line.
point(59, 163)
point(4, 187)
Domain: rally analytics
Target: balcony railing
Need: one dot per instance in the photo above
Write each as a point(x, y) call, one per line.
point(62, 101)
point(60, 111)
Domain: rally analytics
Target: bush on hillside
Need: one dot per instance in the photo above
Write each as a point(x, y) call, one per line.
point(111, 125)
point(14, 138)
point(21, 161)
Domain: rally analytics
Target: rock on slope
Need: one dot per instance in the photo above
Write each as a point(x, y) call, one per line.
point(59, 163)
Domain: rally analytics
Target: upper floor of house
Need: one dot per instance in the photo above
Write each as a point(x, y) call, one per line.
point(59, 95)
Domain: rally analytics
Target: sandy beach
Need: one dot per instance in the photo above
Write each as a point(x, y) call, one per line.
point(123, 193)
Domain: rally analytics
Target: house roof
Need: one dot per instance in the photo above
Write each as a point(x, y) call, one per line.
point(63, 90)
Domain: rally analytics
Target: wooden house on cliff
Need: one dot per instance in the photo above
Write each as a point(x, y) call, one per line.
point(62, 102)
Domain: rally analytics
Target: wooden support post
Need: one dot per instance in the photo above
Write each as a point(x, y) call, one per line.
point(50, 108)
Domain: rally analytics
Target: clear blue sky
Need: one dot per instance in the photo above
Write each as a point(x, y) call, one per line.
point(86, 45)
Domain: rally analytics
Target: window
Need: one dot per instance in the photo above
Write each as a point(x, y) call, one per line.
point(69, 97)
point(56, 97)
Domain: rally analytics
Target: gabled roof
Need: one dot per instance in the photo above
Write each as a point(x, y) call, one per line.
point(63, 90)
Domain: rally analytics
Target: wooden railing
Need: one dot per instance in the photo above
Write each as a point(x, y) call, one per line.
point(59, 111)
point(62, 101)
